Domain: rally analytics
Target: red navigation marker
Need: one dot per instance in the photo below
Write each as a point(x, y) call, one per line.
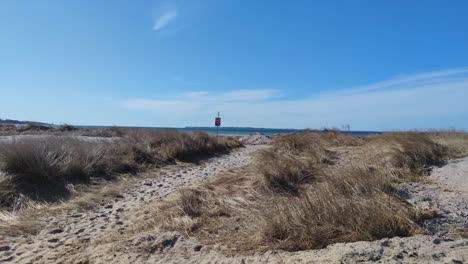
point(217, 123)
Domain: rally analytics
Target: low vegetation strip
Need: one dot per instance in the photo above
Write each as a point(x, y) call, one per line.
point(309, 190)
point(45, 168)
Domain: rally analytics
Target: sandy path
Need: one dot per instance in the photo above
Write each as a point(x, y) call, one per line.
point(447, 193)
point(63, 231)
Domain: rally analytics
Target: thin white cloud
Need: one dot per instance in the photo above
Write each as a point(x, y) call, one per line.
point(159, 105)
point(429, 100)
point(164, 20)
point(249, 95)
point(408, 81)
point(192, 101)
point(238, 95)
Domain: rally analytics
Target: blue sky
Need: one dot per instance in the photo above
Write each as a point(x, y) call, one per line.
point(375, 65)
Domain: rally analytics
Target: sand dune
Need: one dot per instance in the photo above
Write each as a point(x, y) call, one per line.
point(89, 235)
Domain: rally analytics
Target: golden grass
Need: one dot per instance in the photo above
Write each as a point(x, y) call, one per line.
point(42, 168)
point(412, 151)
point(455, 141)
point(296, 159)
point(301, 195)
point(322, 217)
point(286, 172)
point(327, 211)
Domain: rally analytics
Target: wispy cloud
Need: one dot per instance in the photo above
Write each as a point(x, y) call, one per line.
point(427, 100)
point(192, 101)
point(250, 95)
point(408, 81)
point(164, 20)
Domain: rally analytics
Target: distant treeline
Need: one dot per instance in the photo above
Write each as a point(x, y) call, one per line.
point(18, 122)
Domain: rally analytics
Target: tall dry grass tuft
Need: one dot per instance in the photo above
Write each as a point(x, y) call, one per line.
point(286, 172)
point(455, 141)
point(334, 137)
point(339, 208)
point(293, 160)
point(308, 143)
point(42, 160)
point(168, 145)
point(410, 152)
point(42, 167)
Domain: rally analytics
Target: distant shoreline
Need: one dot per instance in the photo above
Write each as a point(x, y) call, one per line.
point(224, 131)
point(239, 131)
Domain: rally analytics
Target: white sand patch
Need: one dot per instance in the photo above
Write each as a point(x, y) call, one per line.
point(255, 139)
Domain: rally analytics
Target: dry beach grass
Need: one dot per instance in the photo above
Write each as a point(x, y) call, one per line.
point(303, 191)
point(45, 168)
point(309, 190)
